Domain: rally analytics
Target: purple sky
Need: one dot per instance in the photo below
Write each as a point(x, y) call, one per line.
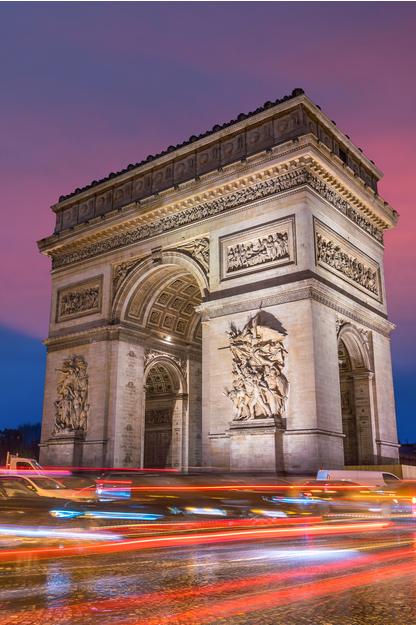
point(87, 88)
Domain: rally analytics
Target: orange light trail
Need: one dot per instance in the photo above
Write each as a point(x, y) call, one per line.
point(234, 487)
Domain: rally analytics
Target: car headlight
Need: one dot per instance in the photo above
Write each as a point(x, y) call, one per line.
point(209, 511)
point(65, 514)
point(274, 514)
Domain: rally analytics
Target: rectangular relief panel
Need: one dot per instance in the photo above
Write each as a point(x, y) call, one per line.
point(260, 248)
point(79, 299)
point(341, 258)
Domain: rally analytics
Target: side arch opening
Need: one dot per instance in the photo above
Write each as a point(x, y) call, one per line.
point(356, 386)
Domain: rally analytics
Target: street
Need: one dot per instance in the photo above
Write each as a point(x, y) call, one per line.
point(348, 573)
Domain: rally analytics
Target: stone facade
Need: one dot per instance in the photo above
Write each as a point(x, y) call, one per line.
point(225, 305)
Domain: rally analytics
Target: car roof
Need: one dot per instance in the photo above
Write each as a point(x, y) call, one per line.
point(332, 483)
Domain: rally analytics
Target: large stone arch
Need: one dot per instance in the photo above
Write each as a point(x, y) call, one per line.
point(357, 387)
point(155, 302)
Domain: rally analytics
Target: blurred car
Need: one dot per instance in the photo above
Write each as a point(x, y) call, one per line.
point(19, 503)
point(342, 496)
point(369, 478)
point(201, 495)
point(47, 487)
point(402, 499)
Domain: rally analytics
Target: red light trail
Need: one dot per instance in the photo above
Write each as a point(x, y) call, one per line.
point(180, 540)
point(228, 607)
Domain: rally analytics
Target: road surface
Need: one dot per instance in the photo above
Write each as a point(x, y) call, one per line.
point(354, 577)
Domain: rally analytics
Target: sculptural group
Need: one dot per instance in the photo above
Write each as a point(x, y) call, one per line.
point(331, 254)
point(259, 388)
point(71, 406)
point(258, 251)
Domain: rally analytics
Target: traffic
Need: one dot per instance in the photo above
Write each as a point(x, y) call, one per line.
point(29, 492)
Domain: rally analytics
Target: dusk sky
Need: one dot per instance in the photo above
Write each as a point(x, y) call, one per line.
point(87, 88)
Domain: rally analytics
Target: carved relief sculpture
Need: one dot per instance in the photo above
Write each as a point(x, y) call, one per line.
point(260, 388)
point(121, 271)
point(71, 407)
point(270, 245)
point(79, 299)
point(332, 255)
point(198, 249)
point(257, 251)
point(158, 416)
point(339, 256)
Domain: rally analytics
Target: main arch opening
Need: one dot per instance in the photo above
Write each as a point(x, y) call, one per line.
point(161, 304)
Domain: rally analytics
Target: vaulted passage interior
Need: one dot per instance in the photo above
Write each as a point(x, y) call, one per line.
point(164, 303)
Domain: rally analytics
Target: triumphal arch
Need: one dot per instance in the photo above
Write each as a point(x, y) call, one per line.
point(222, 304)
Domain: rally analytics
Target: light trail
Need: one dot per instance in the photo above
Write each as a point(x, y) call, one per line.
point(111, 469)
point(213, 524)
point(248, 584)
point(276, 598)
point(180, 540)
point(242, 487)
point(49, 532)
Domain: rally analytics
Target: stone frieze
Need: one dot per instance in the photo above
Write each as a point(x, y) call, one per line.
point(261, 247)
point(263, 189)
point(341, 258)
point(83, 298)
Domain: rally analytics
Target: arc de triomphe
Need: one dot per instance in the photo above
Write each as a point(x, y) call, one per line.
point(222, 304)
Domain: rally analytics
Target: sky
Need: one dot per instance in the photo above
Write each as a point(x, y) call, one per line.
point(87, 88)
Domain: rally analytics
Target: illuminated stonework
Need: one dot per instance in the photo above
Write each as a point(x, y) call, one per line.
point(225, 305)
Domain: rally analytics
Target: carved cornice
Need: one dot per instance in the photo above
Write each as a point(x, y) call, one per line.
point(265, 128)
point(144, 227)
